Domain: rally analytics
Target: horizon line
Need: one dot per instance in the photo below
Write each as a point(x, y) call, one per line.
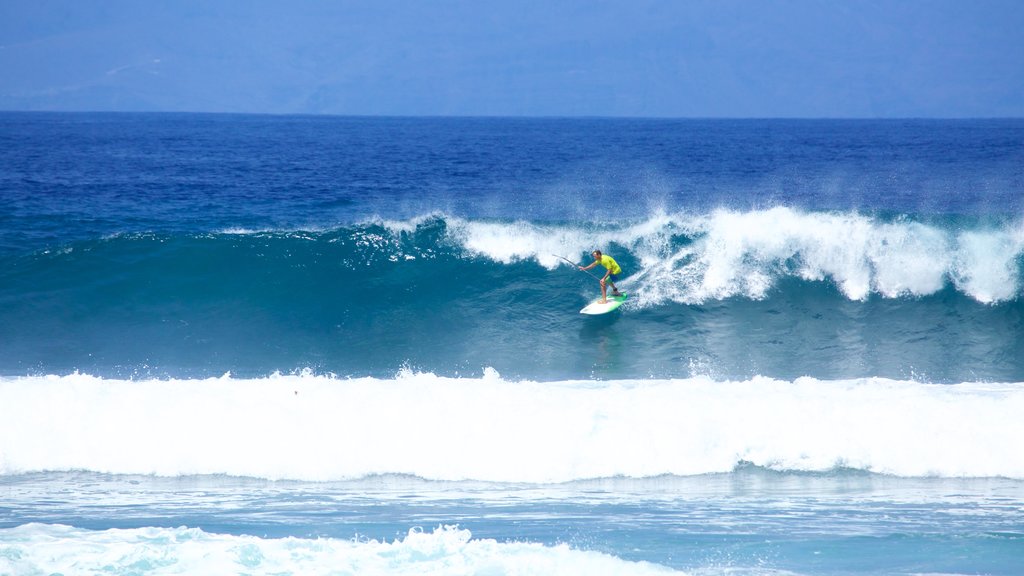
point(502, 117)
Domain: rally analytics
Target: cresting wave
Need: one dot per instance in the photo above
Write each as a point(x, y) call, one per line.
point(691, 259)
point(682, 258)
point(50, 549)
point(321, 428)
point(694, 258)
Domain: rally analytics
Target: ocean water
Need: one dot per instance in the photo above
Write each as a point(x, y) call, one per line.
point(323, 345)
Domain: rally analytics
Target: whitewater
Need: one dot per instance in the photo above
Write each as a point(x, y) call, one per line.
point(445, 550)
point(315, 428)
point(695, 258)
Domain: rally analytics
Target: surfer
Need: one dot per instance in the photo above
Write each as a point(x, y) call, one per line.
point(609, 277)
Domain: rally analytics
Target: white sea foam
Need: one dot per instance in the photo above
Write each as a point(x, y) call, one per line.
point(57, 549)
point(746, 253)
point(321, 428)
point(547, 243)
point(985, 264)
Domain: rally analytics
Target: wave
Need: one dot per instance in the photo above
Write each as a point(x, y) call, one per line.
point(691, 259)
point(696, 258)
point(323, 428)
point(682, 258)
point(41, 548)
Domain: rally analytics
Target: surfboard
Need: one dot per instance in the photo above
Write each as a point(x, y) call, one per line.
point(595, 307)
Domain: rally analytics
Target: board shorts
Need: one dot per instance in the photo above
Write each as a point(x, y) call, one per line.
point(613, 277)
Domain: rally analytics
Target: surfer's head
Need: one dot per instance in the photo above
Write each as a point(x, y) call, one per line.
point(596, 254)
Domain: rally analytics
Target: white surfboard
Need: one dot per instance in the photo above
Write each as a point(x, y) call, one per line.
point(595, 307)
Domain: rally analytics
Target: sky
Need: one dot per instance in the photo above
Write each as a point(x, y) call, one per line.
point(622, 58)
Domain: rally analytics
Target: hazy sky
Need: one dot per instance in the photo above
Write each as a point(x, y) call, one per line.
point(682, 58)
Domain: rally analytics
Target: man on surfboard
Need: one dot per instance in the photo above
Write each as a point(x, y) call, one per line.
point(609, 277)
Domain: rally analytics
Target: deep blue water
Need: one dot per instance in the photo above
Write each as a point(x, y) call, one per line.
point(259, 326)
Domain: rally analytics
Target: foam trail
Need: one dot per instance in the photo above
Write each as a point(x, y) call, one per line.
point(53, 549)
point(318, 428)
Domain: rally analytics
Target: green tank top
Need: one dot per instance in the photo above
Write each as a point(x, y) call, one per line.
point(610, 263)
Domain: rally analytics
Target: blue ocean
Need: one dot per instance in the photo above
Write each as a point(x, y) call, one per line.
point(237, 344)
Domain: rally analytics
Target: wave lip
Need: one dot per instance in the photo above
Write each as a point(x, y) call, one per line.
point(317, 428)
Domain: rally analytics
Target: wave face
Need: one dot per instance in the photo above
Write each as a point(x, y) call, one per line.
point(779, 292)
point(492, 429)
